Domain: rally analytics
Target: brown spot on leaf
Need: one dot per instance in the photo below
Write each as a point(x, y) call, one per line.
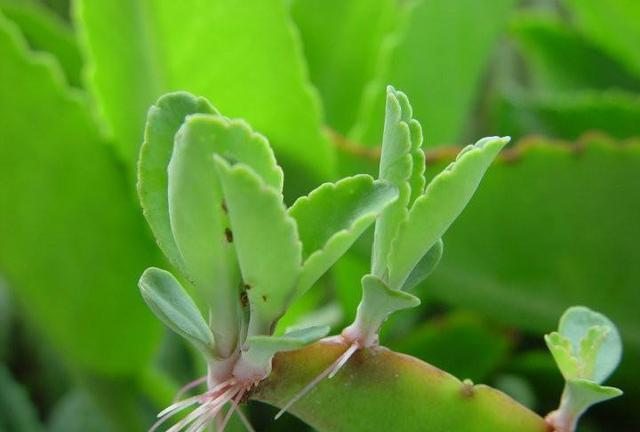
point(224, 207)
point(264, 298)
point(228, 234)
point(247, 287)
point(244, 299)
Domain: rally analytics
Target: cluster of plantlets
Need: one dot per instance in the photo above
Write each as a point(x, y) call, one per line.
point(212, 193)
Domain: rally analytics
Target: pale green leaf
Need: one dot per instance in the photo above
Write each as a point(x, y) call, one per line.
point(199, 226)
point(564, 355)
point(396, 167)
point(261, 349)
point(266, 242)
point(173, 306)
point(378, 302)
point(71, 232)
point(581, 394)
point(163, 121)
point(590, 347)
point(243, 57)
point(576, 324)
point(332, 217)
point(425, 266)
point(444, 199)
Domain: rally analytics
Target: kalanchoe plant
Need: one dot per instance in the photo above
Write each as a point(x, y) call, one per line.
point(212, 193)
point(587, 349)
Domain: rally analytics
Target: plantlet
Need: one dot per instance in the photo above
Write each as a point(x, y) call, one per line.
point(587, 349)
point(212, 193)
point(407, 243)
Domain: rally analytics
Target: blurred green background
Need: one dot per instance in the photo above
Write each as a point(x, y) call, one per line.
point(554, 223)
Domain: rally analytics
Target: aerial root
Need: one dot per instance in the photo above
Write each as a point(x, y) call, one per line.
point(211, 404)
point(329, 372)
point(189, 386)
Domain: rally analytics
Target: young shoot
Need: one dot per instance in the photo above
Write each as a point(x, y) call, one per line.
point(407, 243)
point(587, 349)
point(211, 191)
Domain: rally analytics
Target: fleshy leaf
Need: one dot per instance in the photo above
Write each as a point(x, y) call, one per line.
point(261, 349)
point(396, 167)
point(163, 121)
point(378, 302)
point(199, 225)
point(266, 241)
point(382, 390)
point(172, 305)
point(443, 200)
point(562, 352)
point(425, 266)
point(332, 217)
point(585, 393)
point(576, 325)
point(578, 396)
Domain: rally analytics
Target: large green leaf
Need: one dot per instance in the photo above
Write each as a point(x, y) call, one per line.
point(551, 226)
point(613, 25)
point(44, 31)
point(332, 217)
point(382, 390)
point(439, 62)
point(401, 142)
point(443, 200)
point(17, 411)
point(346, 56)
point(547, 44)
point(244, 57)
point(163, 121)
point(569, 115)
point(266, 242)
point(73, 242)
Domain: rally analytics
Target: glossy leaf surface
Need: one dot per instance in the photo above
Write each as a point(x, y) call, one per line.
point(250, 66)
